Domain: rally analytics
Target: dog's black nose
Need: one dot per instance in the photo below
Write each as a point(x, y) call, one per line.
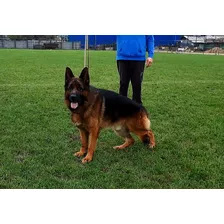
point(73, 98)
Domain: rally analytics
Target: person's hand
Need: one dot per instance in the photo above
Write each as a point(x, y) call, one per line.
point(148, 62)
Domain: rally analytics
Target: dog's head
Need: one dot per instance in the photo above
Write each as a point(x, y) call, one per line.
point(76, 89)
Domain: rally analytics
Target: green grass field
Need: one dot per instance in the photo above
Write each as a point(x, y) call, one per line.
point(183, 93)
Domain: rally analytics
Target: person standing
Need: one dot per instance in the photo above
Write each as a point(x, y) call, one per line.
point(131, 61)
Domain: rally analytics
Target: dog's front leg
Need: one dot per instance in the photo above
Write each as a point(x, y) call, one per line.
point(93, 136)
point(84, 135)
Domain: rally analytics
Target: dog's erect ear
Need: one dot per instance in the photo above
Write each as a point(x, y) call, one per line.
point(68, 76)
point(85, 77)
point(68, 73)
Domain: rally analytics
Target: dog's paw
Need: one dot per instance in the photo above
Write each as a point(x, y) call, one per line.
point(152, 145)
point(118, 147)
point(79, 154)
point(87, 159)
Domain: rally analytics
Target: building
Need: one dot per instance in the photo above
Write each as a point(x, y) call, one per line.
point(204, 42)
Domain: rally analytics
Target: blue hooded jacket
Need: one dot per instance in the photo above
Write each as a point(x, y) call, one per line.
point(134, 47)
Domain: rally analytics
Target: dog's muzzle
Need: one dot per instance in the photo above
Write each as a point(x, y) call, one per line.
point(74, 98)
point(75, 101)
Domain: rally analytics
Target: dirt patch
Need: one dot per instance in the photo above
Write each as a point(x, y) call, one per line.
point(216, 50)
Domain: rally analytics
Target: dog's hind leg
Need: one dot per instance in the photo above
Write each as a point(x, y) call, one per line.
point(124, 133)
point(142, 129)
point(148, 138)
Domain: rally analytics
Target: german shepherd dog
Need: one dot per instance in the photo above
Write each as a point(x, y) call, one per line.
point(93, 109)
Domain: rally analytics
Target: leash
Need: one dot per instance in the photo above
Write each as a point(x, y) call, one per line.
point(86, 52)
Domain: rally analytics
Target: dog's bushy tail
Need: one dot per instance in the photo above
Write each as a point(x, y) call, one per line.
point(143, 109)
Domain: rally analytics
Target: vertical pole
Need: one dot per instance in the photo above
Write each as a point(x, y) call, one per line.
point(85, 50)
point(95, 42)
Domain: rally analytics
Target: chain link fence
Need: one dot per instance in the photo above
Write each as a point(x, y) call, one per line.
point(185, 44)
point(39, 44)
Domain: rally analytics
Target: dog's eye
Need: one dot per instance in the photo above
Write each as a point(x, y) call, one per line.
point(80, 89)
point(70, 88)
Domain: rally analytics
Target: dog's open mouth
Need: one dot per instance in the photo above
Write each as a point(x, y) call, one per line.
point(74, 105)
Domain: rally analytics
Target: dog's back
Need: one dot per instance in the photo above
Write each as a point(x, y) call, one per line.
point(118, 106)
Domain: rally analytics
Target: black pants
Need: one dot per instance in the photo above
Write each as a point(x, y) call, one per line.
point(131, 71)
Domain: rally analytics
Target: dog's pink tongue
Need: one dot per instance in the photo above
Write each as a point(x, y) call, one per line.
point(74, 105)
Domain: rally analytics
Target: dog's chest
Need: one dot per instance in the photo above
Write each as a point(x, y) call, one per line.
point(76, 119)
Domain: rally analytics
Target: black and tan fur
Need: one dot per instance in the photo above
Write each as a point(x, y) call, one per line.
point(93, 109)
